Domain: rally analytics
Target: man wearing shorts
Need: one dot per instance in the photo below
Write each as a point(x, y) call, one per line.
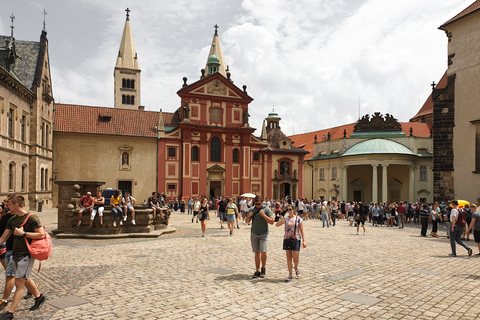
point(86, 203)
point(222, 210)
point(9, 275)
point(260, 218)
point(22, 261)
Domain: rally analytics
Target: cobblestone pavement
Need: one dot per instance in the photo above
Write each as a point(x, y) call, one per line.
point(388, 274)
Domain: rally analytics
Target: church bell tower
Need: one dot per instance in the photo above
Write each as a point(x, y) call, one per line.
point(127, 72)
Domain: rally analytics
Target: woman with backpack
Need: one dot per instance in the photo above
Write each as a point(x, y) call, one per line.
point(458, 218)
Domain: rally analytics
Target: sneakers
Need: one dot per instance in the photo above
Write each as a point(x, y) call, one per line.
point(3, 305)
point(297, 272)
point(238, 227)
point(231, 234)
point(125, 218)
point(7, 315)
point(357, 233)
point(114, 224)
point(203, 234)
point(364, 233)
point(262, 273)
point(133, 222)
point(289, 278)
point(256, 274)
point(121, 222)
point(78, 225)
point(452, 255)
point(221, 228)
point(470, 251)
point(38, 302)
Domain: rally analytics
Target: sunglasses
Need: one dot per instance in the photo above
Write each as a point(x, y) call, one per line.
point(290, 209)
point(258, 204)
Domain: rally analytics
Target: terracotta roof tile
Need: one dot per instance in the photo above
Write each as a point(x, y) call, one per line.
point(427, 108)
point(123, 122)
point(471, 8)
point(307, 139)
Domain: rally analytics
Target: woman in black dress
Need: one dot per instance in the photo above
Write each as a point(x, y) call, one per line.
point(204, 215)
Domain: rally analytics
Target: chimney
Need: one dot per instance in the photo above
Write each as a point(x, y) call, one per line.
point(141, 108)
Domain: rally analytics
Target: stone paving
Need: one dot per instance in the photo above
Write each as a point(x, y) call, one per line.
point(388, 274)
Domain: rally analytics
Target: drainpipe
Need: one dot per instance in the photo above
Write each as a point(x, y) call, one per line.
point(156, 172)
point(308, 162)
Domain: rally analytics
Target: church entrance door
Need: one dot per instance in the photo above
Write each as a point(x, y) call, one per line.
point(285, 190)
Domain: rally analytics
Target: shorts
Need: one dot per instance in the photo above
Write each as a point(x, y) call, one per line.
point(476, 235)
point(244, 213)
point(221, 215)
point(23, 267)
point(129, 207)
point(231, 217)
point(297, 245)
point(361, 221)
point(388, 215)
point(259, 242)
point(9, 272)
point(300, 211)
point(83, 209)
point(195, 213)
point(202, 216)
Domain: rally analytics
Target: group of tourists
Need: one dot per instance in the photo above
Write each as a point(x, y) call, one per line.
point(120, 207)
point(17, 228)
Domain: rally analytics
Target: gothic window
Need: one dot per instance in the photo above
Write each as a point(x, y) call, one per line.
point(215, 150)
point(132, 84)
point(195, 154)
point(124, 83)
point(235, 155)
point(216, 115)
point(23, 126)
point(46, 135)
point(132, 100)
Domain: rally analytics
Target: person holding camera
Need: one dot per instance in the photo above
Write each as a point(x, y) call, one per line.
point(260, 217)
point(292, 240)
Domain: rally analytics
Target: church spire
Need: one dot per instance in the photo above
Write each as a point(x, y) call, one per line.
point(127, 71)
point(127, 56)
point(216, 53)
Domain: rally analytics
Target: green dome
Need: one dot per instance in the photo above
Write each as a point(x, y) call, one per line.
point(378, 146)
point(272, 115)
point(213, 59)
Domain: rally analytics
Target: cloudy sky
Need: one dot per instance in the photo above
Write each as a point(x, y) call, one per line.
point(318, 62)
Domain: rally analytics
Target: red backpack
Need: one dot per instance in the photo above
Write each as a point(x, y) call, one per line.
point(461, 218)
point(40, 249)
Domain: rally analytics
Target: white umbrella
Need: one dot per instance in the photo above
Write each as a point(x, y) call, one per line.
point(248, 195)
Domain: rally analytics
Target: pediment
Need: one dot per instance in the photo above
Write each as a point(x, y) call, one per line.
point(216, 87)
point(395, 183)
point(216, 168)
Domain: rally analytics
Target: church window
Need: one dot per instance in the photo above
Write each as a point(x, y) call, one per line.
point(216, 115)
point(171, 152)
point(256, 156)
point(235, 155)
point(195, 152)
point(322, 174)
point(423, 173)
point(215, 150)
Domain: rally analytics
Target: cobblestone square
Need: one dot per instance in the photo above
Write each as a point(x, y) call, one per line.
point(388, 274)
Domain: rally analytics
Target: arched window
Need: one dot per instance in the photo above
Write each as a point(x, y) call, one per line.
point(11, 176)
point(124, 99)
point(235, 155)
point(195, 154)
point(216, 115)
point(124, 83)
point(132, 84)
point(215, 150)
point(42, 177)
point(24, 177)
point(46, 179)
point(132, 101)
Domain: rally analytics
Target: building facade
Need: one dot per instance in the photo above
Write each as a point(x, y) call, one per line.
point(26, 120)
point(376, 159)
point(456, 111)
point(206, 147)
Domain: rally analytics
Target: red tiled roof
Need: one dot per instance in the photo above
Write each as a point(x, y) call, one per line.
point(471, 8)
point(307, 139)
point(427, 108)
point(124, 122)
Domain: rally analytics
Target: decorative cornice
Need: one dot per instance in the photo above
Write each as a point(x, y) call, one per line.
point(9, 82)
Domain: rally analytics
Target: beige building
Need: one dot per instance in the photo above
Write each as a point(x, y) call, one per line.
point(457, 111)
point(26, 120)
point(376, 159)
point(118, 146)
